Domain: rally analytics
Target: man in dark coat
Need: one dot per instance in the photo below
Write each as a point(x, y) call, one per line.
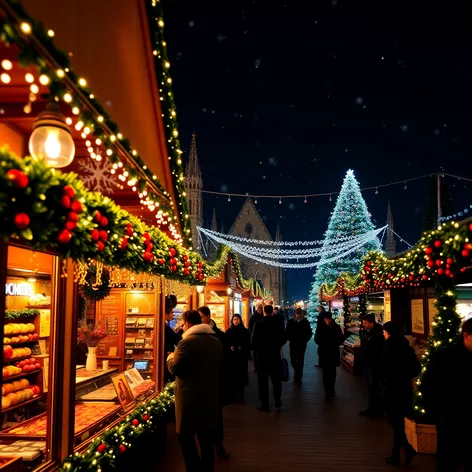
point(255, 317)
point(447, 389)
point(205, 316)
point(372, 341)
point(320, 322)
point(329, 337)
point(298, 333)
point(171, 338)
point(197, 365)
point(399, 367)
point(268, 337)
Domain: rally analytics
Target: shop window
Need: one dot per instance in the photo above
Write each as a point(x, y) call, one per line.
point(28, 353)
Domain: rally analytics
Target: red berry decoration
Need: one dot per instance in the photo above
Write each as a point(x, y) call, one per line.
point(428, 250)
point(103, 221)
point(21, 220)
point(439, 262)
point(146, 237)
point(135, 422)
point(437, 243)
point(69, 191)
point(95, 235)
point(200, 264)
point(200, 277)
point(145, 417)
point(129, 229)
point(100, 246)
point(76, 206)
point(122, 449)
point(173, 261)
point(465, 253)
point(18, 178)
point(448, 272)
point(173, 268)
point(449, 261)
point(97, 217)
point(71, 225)
point(172, 252)
point(440, 271)
point(185, 257)
point(470, 227)
point(186, 272)
point(149, 247)
point(101, 448)
point(64, 236)
point(65, 201)
point(148, 256)
point(73, 216)
point(430, 264)
point(124, 244)
point(161, 261)
point(103, 236)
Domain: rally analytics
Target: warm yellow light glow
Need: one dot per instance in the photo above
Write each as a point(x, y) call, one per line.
point(75, 111)
point(26, 28)
point(69, 120)
point(44, 79)
point(67, 97)
point(60, 73)
point(229, 290)
point(100, 119)
point(29, 78)
point(82, 82)
point(51, 33)
point(5, 78)
point(7, 65)
point(34, 88)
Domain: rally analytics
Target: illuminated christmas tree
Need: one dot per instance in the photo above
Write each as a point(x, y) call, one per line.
point(349, 218)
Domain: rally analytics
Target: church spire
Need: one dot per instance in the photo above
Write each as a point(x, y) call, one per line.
point(278, 233)
point(194, 186)
point(214, 226)
point(212, 245)
point(390, 245)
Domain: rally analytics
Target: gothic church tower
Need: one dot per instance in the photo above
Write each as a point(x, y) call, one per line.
point(194, 186)
point(390, 245)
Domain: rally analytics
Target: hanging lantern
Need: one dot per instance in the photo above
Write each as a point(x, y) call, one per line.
point(51, 138)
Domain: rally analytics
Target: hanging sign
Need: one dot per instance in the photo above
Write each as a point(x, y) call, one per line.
point(21, 290)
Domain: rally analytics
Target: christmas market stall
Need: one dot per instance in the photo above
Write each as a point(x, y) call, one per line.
point(426, 291)
point(110, 227)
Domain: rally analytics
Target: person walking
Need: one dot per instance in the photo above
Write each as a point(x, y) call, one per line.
point(171, 338)
point(197, 365)
point(372, 341)
point(205, 316)
point(255, 317)
point(268, 337)
point(320, 322)
point(446, 389)
point(399, 367)
point(329, 337)
point(239, 346)
point(298, 333)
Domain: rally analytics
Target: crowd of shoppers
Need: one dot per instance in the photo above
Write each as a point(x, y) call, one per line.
point(210, 368)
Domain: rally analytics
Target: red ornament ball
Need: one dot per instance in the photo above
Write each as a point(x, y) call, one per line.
point(122, 449)
point(135, 422)
point(439, 262)
point(103, 221)
point(173, 268)
point(185, 257)
point(172, 252)
point(149, 247)
point(76, 206)
point(101, 447)
point(161, 261)
point(148, 256)
point(425, 277)
point(146, 237)
point(200, 264)
point(69, 191)
point(19, 178)
point(470, 227)
point(73, 216)
point(448, 272)
point(465, 253)
point(450, 261)
point(71, 225)
point(65, 201)
point(95, 235)
point(97, 217)
point(186, 272)
point(129, 230)
point(100, 246)
point(103, 235)
point(124, 243)
point(173, 261)
point(430, 264)
point(21, 220)
point(145, 417)
point(428, 250)
point(64, 236)
point(440, 271)
point(437, 243)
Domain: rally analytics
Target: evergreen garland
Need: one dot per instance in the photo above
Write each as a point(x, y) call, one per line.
point(95, 294)
point(11, 315)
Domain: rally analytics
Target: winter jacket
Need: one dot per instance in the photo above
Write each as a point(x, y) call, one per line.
point(197, 364)
point(446, 386)
point(267, 339)
point(298, 332)
point(372, 342)
point(399, 367)
point(329, 338)
point(239, 345)
point(253, 320)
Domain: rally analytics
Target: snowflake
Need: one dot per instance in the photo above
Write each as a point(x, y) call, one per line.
point(97, 176)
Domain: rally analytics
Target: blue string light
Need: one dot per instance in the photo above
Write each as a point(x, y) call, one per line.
point(457, 215)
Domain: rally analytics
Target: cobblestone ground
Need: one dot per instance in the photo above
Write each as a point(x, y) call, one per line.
point(309, 434)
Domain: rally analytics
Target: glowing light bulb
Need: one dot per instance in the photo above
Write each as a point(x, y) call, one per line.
point(26, 28)
point(82, 82)
point(52, 146)
point(29, 78)
point(5, 78)
point(7, 65)
point(51, 33)
point(44, 79)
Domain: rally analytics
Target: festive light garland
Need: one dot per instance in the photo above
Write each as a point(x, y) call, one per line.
point(108, 450)
point(277, 253)
point(243, 251)
point(19, 28)
point(460, 214)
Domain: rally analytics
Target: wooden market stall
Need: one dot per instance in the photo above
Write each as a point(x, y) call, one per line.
point(60, 236)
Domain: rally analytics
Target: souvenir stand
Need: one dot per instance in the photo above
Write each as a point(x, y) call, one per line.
point(61, 232)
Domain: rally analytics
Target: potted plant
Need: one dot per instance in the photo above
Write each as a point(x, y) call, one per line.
point(90, 335)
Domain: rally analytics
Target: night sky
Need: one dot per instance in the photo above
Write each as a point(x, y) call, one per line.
point(286, 96)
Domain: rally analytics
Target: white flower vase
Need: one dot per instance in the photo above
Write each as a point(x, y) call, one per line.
point(91, 363)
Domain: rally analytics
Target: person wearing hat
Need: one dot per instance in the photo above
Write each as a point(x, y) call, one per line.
point(372, 342)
